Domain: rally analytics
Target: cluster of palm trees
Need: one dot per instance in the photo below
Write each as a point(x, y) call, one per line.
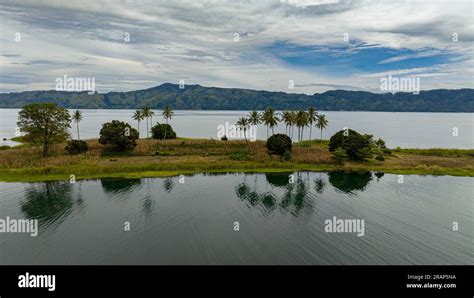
point(300, 119)
point(147, 114)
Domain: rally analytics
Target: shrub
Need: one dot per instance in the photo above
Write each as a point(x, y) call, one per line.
point(339, 156)
point(287, 155)
point(379, 157)
point(76, 147)
point(357, 146)
point(224, 138)
point(279, 144)
point(387, 151)
point(162, 132)
point(381, 144)
point(118, 134)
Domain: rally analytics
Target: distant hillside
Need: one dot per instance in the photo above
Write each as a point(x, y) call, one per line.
point(196, 97)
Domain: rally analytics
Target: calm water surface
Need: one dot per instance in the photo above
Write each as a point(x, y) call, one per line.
point(280, 223)
point(407, 130)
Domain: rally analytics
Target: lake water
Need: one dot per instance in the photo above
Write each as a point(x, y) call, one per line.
point(407, 130)
point(279, 222)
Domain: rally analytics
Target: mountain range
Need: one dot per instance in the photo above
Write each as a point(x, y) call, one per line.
point(196, 97)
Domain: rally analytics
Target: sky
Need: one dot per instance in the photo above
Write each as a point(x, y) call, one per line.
point(318, 45)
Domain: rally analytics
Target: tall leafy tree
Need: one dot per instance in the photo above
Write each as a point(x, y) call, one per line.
point(321, 123)
point(312, 117)
point(270, 119)
point(138, 115)
point(301, 122)
point(255, 118)
point(286, 117)
point(146, 114)
point(292, 122)
point(45, 124)
point(151, 114)
point(167, 114)
point(244, 124)
point(77, 117)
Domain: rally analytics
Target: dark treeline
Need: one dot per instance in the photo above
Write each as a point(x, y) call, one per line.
point(196, 97)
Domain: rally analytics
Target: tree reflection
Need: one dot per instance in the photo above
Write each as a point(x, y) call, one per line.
point(379, 175)
point(319, 185)
point(119, 185)
point(168, 184)
point(294, 199)
point(49, 202)
point(278, 179)
point(350, 182)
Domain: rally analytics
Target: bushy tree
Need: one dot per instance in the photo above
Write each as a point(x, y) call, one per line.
point(279, 144)
point(339, 156)
point(76, 147)
point(163, 131)
point(357, 146)
point(119, 134)
point(46, 124)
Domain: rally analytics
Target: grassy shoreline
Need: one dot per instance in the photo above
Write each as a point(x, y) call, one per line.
point(156, 158)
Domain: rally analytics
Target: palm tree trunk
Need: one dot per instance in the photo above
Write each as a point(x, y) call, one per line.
point(245, 137)
point(310, 129)
point(139, 128)
point(166, 128)
point(78, 137)
point(147, 127)
point(321, 134)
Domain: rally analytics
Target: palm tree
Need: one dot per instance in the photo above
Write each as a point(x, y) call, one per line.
point(292, 122)
point(270, 119)
point(286, 117)
point(138, 115)
point(244, 124)
point(301, 122)
point(167, 114)
point(255, 118)
point(321, 123)
point(77, 117)
point(151, 114)
point(312, 116)
point(146, 114)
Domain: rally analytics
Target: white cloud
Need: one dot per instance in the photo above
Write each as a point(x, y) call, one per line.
point(194, 40)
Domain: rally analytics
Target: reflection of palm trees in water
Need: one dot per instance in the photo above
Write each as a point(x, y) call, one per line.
point(319, 185)
point(49, 202)
point(294, 199)
point(168, 184)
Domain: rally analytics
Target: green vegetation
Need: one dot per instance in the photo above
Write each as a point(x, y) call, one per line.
point(356, 146)
point(119, 134)
point(279, 144)
point(77, 117)
point(438, 152)
point(76, 147)
point(186, 156)
point(163, 132)
point(138, 116)
point(162, 156)
point(45, 124)
point(196, 97)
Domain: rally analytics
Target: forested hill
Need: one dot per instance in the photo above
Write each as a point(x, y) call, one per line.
point(196, 97)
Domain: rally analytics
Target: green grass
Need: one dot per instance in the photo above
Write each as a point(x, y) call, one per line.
point(163, 170)
point(307, 143)
point(438, 152)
